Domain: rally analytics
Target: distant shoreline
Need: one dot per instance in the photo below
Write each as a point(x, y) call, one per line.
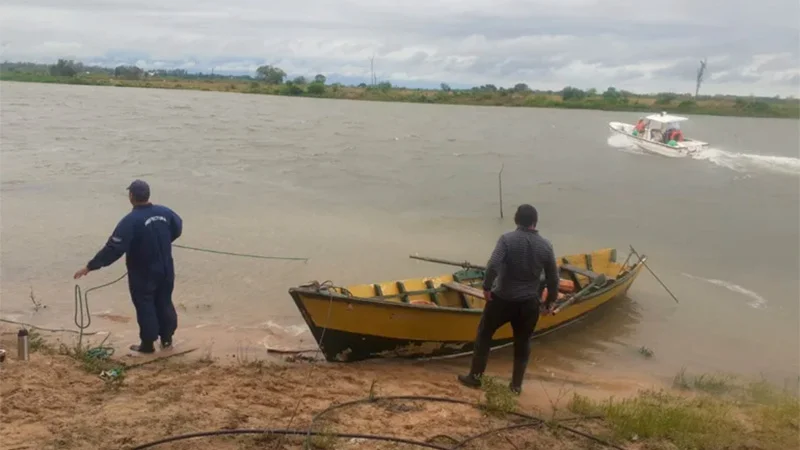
point(713, 106)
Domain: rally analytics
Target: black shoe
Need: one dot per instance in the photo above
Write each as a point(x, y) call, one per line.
point(143, 348)
point(517, 390)
point(470, 380)
point(166, 344)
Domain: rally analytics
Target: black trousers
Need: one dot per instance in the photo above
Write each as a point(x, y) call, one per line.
point(523, 317)
point(155, 312)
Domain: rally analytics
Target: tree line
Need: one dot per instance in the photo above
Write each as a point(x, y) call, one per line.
point(271, 75)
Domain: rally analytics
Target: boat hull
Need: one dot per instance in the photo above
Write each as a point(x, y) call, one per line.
point(683, 149)
point(351, 329)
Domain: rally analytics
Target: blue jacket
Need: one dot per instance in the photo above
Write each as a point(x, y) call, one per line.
point(145, 236)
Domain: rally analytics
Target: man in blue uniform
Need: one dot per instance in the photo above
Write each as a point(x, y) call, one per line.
point(145, 236)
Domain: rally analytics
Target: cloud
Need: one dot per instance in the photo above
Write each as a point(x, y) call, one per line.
point(752, 48)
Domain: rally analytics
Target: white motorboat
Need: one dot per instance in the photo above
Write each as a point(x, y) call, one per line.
point(660, 134)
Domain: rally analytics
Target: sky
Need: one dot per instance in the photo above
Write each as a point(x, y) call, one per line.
point(752, 48)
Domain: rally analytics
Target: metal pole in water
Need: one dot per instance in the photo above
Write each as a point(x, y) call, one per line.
point(654, 275)
point(500, 185)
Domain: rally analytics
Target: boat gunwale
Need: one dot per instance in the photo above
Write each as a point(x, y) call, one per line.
point(295, 292)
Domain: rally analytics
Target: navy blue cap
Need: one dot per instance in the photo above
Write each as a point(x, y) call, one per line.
point(140, 189)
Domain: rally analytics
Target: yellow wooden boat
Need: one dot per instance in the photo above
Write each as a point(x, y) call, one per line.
point(438, 316)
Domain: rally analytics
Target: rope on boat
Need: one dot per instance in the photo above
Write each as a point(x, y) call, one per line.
point(326, 287)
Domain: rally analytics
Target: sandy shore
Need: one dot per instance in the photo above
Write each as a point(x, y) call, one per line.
point(58, 401)
point(51, 401)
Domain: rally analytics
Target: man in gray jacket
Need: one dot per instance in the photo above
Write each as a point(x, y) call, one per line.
point(511, 290)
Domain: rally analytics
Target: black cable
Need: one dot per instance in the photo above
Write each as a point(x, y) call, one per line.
point(532, 421)
point(290, 432)
point(442, 436)
point(407, 397)
point(495, 431)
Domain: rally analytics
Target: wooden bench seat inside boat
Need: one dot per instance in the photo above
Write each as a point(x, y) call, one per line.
point(581, 271)
point(464, 289)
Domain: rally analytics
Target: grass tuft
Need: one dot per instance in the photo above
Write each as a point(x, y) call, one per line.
point(719, 413)
point(658, 415)
point(498, 398)
point(36, 342)
point(714, 384)
point(325, 440)
point(710, 383)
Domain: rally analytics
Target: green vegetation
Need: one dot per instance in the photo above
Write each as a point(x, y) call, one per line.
point(709, 383)
point(713, 412)
point(273, 80)
point(499, 400)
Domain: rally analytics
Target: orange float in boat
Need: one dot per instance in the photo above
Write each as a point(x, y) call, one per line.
point(561, 295)
point(422, 302)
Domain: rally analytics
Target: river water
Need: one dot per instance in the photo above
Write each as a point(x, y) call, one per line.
point(358, 186)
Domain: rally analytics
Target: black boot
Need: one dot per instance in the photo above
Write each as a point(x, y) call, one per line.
point(470, 380)
point(517, 376)
point(166, 343)
point(144, 347)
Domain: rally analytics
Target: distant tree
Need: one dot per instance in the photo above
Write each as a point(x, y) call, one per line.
point(316, 88)
point(63, 68)
point(572, 93)
point(665, 98)
point(320, 78)
point(301, 80)
point(270, 74)
point(362, 85)
point(291, 89)
point(128, 72)
point(612, 95)
point(384, 86)
point(446, 87)
point(591, 92)
point(521, 87)
point(177, 73)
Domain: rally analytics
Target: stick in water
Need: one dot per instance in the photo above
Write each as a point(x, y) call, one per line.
point(654, 275)
point(500, 184)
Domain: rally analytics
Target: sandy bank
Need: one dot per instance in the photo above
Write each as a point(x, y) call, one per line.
point(52, 401)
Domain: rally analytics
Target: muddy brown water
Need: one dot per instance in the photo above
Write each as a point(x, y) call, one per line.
point(358, 186)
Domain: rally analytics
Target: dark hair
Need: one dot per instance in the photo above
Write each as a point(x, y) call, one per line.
point(526, 216)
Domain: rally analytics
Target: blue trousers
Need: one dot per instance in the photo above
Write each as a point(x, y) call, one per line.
point(155, 313)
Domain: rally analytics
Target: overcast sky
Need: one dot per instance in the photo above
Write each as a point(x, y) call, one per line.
point(753, 47)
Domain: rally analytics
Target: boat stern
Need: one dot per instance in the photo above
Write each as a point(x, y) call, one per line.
point(620, 127)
